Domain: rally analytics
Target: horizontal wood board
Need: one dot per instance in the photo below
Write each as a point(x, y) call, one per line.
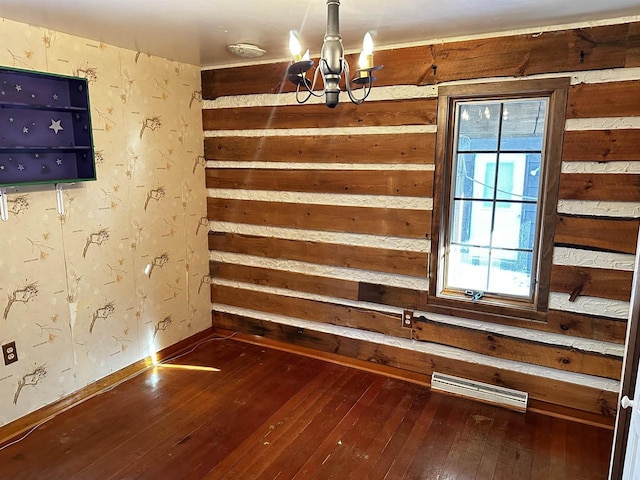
point(518, 349)
point(369, 220)
point(591, 282)
point(611, 187)
point(405, 183)
point(594, 233)
point(349, 256)
point(313, 310)
point(386, 113)
point(408, 148)
point(602, 100)
point(601, 145)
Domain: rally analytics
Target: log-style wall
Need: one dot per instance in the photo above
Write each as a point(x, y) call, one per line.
point(320, 219)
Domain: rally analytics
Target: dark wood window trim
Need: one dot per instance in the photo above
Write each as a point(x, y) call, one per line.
point(556, 90)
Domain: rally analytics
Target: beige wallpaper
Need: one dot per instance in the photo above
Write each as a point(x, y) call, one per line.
point(73, 292)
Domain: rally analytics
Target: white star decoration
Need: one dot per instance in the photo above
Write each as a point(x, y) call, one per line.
point(11, 119)
point(18, 88)
point(55, 125)
point(25, 130)
point(1, 167)
point(58, 162)
point(20, 167)
point(55, 96)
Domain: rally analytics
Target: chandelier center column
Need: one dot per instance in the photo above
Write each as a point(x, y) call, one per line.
point(332, 54)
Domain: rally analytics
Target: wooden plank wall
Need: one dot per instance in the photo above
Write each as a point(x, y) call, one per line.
point(320, 219)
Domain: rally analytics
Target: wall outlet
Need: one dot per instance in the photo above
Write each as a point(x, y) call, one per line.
point(407, 319)
point(10, 353)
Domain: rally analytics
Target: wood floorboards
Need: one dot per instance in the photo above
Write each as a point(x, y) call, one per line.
point(268, 414)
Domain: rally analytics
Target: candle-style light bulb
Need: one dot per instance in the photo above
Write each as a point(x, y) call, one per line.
point(362, 60)
point(367, 44)
point(366, 56)
point(294, 47)
point(306, 57)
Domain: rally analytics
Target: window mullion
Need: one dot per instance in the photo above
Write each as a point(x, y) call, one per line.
point(495, 193)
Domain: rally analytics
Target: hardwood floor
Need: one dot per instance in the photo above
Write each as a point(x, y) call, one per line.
point(268, 414)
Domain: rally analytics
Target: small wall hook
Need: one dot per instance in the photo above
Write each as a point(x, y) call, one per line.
point(4, 207)
point(59, 199)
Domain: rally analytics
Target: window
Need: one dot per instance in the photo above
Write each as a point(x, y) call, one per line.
point(497, 170)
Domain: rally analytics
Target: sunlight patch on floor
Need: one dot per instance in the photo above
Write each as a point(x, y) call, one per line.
point(187, 367)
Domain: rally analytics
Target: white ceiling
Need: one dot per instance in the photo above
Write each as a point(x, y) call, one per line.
point(197, 31)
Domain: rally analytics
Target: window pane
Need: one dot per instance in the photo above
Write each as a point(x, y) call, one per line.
point(528, 223)
point(510, 273)
point(505, 188)
point(478, 126)
point(514, 225)
point(532, 175)
point(468, 268)
point(518, 176)
point(523, 125)
point(471, 223)
point(475, 175)
point(465, 167)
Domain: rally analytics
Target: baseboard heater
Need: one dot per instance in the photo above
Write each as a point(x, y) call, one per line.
point(482, 392)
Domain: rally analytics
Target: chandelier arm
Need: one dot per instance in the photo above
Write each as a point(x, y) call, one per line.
point(308, 89)
point(366, 87)
point(298, 96)
point(313, 85)
point(324, 67)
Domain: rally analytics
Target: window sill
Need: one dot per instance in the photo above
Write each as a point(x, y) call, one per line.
point(485, 311)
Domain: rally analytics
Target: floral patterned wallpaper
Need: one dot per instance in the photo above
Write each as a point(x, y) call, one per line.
point(74, 294)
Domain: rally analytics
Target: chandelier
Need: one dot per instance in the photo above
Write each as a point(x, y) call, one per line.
point(331, 65)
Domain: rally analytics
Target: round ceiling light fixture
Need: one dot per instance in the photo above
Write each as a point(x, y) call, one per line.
point(246, 50)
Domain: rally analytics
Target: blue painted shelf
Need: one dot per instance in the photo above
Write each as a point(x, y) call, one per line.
point(45, 129)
